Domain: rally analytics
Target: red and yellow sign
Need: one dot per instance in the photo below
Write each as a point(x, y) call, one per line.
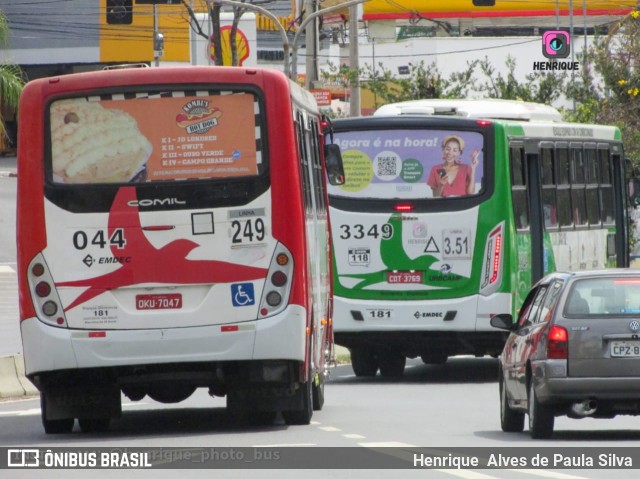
point(407, 9)
point(242, 46)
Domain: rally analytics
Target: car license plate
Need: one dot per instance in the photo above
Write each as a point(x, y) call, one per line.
point(625, 349)
point(158, 301)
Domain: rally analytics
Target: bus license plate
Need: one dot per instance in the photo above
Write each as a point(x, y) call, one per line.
point(158, 301)
point(404, 277)
point(625, 349)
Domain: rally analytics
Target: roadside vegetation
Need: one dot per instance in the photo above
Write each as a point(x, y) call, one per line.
point(605, 91)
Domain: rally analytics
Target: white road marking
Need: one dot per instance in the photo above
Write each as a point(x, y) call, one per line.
point(6, 269)
point(302, 444)
point(545, 473)
point(386, 444)
point(330, 429)
point(353, 436)
point(37, 411)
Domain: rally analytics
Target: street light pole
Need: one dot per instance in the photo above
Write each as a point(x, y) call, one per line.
point(313, 16)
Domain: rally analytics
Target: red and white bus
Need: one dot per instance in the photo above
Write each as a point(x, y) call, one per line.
point(172, 234)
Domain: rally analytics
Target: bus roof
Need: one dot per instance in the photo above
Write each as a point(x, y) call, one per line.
point(487, 108)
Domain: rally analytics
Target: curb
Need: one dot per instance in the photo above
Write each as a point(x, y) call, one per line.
point(13, 382)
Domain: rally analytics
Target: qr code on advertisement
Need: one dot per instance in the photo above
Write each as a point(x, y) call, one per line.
point(387, 166)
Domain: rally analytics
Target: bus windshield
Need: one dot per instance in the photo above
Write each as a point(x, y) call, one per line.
point(410, 164)
point(154, 136)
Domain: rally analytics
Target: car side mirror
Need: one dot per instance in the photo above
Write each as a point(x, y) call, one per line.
point(503, 321)
point(333, 163)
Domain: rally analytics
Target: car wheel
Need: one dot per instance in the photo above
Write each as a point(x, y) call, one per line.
point(510, 420)
point(540, 417)
point(364, 362)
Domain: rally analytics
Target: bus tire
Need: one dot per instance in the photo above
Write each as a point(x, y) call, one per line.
point(318, 393)
point(99, 424)
point(54, 426)
point(301, 417)
point(364, 362)
point(392, 364)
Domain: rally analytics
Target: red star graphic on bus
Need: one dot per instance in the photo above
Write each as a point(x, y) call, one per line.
point(148, 264)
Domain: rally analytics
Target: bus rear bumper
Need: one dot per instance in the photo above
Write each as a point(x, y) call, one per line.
point(48, 348)
point(471, 313)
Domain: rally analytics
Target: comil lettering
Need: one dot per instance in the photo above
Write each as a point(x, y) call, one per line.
point(156, 202)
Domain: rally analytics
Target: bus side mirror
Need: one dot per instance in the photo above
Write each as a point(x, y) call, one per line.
point(333, 162)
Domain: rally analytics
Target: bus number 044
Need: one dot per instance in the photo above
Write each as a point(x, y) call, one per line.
point(81, 239)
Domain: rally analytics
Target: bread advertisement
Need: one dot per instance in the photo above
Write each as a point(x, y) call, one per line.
point(153, 138)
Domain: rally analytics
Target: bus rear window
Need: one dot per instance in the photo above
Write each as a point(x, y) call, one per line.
point(154, 136)
point(410, 164)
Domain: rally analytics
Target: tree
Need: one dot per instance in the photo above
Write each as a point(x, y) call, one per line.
point(214, 10)
point(608, 90)
point(11, 79)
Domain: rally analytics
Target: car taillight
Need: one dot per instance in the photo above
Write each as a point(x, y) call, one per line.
point(558, 343)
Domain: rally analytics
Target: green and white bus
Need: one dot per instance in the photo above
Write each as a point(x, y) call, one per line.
point(451, 209)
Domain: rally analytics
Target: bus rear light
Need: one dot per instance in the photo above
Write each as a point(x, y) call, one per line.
point(496, 258)
point(403, 207)
point(43, 293)
point(50, 308)
point(37, 269)
point(483, 122)
point(558, 343)
point(275, 295)
point(274, 299)
point(491, 277)
point(282, 259)
point(279, 278)
point(43, 289)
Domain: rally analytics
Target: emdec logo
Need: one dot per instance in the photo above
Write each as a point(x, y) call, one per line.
point(556, 44)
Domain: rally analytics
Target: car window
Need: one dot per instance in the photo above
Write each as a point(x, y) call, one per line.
point(610, 296)
point(531, 305)
point(549, 303)
point(536, 306)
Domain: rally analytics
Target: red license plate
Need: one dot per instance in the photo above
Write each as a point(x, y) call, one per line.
point(404, 277)
point(158, 301)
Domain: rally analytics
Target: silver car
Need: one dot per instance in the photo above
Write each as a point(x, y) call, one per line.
point(574, 350)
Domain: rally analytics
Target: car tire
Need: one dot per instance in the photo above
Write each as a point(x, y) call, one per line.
point(540, 416)
point(510, 420)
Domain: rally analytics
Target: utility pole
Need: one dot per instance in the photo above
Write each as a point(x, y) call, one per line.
point(354, 64)
point(311, 39)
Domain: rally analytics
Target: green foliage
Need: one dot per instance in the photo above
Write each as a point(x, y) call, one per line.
point(11, 77)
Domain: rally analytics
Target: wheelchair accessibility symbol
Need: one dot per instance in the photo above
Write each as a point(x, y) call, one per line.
point(242, 294)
